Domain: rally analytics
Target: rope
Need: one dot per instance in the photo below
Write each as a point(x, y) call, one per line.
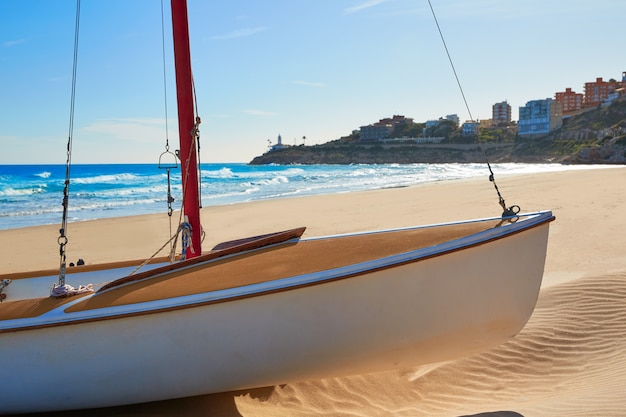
point(186, 177)
point(65, 290)
point(147, 261)
point(196, 135)
point(3, 284)
point(197, 138)
point(182, 224)
point(167, 144)
point(186, 243)
point(170, 199)
point(507, 212)
point(62, 240)
point(184, 228)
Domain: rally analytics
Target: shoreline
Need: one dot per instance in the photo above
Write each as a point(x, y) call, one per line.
point(575, 340)
point(32, 196)
point(138, 236)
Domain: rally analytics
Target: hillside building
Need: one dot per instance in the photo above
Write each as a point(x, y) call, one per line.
point(539, 117)
point(501, 113)
point(599, 91)
point(470, 128)
point(453, 118)
point(384, 128)
point(375, 132)
point(570, 100)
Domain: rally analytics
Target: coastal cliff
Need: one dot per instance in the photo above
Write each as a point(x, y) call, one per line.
point(597, 136)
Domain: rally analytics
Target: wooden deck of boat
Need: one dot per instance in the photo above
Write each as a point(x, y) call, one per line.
point(284, 260)
point(31, 307)
point(277, 262)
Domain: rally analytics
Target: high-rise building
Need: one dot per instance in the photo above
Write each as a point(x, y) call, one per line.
point(539, 117)
point(571, 100)
point(501, 113)
point(598, 91)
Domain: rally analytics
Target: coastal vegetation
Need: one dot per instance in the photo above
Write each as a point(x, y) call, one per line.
point(597, 136)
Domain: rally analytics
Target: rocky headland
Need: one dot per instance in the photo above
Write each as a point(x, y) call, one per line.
point(597, 136)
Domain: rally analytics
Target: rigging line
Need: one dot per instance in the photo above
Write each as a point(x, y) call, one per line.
point(450, 59)
point(62, 240)
point(167, 139)
point(197, 135)
point(185, 176)
point(167, 143)
point(172, 241)
point(507, 211)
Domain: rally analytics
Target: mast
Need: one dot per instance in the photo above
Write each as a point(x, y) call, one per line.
point(184, 94)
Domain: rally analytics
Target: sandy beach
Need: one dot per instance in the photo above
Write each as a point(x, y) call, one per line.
point(570, 359)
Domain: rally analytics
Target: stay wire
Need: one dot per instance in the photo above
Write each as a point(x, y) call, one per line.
point(170, 199)
point(167, 141)
point(510, 211)
point(197, 136)
point(63, 240)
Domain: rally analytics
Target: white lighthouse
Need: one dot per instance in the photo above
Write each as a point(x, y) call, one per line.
point(279, 144)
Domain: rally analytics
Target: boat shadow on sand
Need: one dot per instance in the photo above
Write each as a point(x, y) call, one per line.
point(221, 404)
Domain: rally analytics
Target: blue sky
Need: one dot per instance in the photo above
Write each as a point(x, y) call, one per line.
point(306, 68)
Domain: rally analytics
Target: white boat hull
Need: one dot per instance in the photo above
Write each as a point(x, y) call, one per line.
point(438, 308)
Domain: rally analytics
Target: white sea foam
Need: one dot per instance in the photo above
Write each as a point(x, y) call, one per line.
point(22, 192)
point(99, 179)
point(32, 195)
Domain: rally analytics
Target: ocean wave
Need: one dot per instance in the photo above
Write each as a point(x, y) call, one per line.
point(12, 192)
point(220, 173)
point(44, 174)
point(35, 211)
point(111, 205)
point(106, 178)
point(293, 171)
point(126, 192)
point(29, 196)
point(279, 179)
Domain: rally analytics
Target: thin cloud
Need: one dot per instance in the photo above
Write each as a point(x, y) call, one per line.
point(366, 5)
point(240, 33)
point(128, 129)
point(8, 44)
point(256, 112)
point(308, 83)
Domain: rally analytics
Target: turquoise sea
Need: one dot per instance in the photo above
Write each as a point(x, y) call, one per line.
point(32, 194)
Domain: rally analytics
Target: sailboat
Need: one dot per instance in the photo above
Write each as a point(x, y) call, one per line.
point(264, 310)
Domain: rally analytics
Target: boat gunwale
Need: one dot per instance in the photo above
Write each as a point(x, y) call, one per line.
point(51, 318)
point(249, 243)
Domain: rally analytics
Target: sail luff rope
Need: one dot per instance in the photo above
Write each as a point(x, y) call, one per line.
point(196, 130)
point(167, 139)
point(510, 211)
point(197, 136)
point(63, 240)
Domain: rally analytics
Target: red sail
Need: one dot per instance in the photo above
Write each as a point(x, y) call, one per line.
point(184, 94)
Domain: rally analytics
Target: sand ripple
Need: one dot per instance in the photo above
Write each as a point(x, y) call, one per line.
point(569, 360)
